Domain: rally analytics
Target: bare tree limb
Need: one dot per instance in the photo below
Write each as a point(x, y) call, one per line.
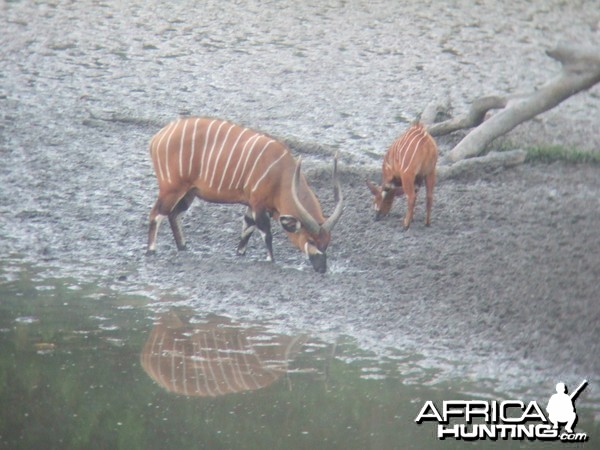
point(433, 109)
point(580, 71)
point(576, 59)
point(547, 97)
point(489, 162)
point(473, 118)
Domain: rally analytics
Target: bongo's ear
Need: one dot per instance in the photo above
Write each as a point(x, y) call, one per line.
point(375, 189)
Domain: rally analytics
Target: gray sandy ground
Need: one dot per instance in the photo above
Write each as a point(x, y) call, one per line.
point(503, 286)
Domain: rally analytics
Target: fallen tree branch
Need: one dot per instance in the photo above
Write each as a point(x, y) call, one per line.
point(433, 110)
point(491, 161)
point(576, 59)
point(580, 71)
point(472, 119)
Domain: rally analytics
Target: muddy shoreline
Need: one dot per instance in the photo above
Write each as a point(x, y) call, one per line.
point(501, 288)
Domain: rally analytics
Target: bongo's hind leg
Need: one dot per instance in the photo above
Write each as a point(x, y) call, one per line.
point(247, 230)
point(181, 206)
point(411, 198)
point(429, 185)
point(166, 206)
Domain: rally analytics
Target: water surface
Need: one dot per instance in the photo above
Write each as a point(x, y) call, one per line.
point(85, 367)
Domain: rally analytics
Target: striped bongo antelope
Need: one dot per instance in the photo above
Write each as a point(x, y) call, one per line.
point(221, 162)
point(409, 160)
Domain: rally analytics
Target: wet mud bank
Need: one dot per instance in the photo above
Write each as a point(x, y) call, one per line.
point(502, 286)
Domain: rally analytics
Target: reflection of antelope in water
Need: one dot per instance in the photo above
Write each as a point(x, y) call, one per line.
point(215, 357)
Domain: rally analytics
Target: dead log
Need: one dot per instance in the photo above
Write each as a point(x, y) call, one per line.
point(487, 163)
point(473, 118)
point(580, 71)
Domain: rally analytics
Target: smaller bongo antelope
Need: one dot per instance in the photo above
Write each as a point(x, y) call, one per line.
point(409, 160)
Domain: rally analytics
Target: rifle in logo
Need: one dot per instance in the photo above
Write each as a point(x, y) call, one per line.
point(507, 419)
point(561, 406)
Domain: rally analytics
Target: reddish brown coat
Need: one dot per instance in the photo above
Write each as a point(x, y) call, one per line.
point(410, 159)
point(216, 357)
point(222, 162)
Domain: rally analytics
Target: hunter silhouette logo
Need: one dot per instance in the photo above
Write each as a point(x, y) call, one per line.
point(510, 419)
point(561, 406)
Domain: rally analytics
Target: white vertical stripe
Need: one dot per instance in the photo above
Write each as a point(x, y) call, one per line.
point(405, 151)
point(254, 139)
point(247, 375)
point(193, 150)
point(167, 146)
point(183, 370)
point(160, 355)
point(150, 357)
point(235, 364)
point(399, 149)
point(232, 150)
point(251, 372)
point(156, 149)
point(267, 171)
point(214, 361)
point(206, 364)
point(212, 149)
point(201, 162)
point(249, 177)
point(417, 149)
point(174, 355)
point(225, 360)
point(181, 149)
point(198, 355)
point(218, 157)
